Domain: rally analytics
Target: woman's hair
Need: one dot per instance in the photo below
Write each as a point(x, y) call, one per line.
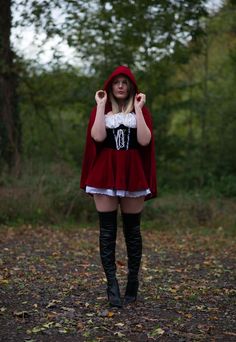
point(129, 102)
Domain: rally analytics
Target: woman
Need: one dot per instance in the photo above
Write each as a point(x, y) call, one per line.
point(119, 170)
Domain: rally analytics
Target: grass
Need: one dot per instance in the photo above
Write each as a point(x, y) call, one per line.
point(51, 195)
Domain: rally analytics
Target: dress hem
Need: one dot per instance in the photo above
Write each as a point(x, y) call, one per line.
point(117, 193)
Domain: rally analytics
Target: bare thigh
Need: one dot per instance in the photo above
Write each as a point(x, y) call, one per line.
point(105, 203)
point(131, 205)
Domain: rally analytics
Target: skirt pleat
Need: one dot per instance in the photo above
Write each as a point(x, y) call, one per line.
point(121, 170)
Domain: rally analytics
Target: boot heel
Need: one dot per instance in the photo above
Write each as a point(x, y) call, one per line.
point(113, 294)
point(131, 292)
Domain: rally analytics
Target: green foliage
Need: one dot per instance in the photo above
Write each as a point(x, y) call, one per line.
point(50, 193)
point(44, 193)
point(190, 85)
point(109, 33)
point(183, 211)
point(195, 132)
point(55, 108)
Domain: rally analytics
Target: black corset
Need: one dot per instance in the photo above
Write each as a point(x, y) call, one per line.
point(121, 138)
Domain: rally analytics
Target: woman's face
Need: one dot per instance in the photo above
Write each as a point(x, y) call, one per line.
point(120, 87)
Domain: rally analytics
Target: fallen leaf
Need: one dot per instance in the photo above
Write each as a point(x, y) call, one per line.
point(68, 309)
point(48, 325)
point(2, 310)
point(188, 315)
point(36, 330)
point(63, 331)
point(21, 314)
point(119, 334)
point(119, 324)
point(110, 314)
point(157, 331)
point(91, 314)
point(80, 326)
point(229, 333)
point(53, 303)
point(120, 263)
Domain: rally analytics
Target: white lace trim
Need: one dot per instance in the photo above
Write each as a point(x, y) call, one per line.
point(117, 193)
point(119, 137)
point(115, 120)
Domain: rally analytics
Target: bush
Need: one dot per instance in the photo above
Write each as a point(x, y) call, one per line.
point(51, 194)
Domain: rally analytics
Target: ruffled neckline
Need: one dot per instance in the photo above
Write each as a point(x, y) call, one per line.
point(115, 120)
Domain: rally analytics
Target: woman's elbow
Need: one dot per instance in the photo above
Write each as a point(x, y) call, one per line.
point(98, 137)
point(144, 141)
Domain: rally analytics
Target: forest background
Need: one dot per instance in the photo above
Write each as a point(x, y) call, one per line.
point(184, 59)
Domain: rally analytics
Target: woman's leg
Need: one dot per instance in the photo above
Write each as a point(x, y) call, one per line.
point(105, 203)
point(132, 205)
point(107, 212)
point(131, 214)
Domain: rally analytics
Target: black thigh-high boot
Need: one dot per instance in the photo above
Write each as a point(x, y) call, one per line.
point(133, 239)
point(107, 241)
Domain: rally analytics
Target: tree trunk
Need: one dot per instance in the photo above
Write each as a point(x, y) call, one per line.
point(10, 125)
point(204, 112)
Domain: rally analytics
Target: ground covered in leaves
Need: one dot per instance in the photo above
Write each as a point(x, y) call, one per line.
point(52, 287)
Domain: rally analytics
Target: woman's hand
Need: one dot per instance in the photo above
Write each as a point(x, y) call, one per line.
point(98, 131)
point(101, 97)
point(143, 132)
point(139, 100)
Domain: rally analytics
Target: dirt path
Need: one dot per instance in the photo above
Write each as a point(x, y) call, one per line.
point(52, 288)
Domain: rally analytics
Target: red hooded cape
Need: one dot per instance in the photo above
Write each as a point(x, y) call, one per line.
point(147, 152)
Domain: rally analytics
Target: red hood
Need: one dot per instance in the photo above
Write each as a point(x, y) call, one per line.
point(120, 70)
